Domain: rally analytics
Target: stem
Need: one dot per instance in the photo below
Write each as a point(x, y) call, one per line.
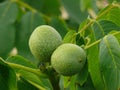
point(25, 5)
point(54, 81)
point(99, 16)
point(35, 71)
point(86, 26)
point(53, 77)
point(107, 10)
point(98, 41)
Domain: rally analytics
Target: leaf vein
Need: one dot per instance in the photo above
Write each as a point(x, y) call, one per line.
point(110, 51)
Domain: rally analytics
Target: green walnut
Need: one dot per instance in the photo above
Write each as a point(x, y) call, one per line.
point(68, 59)
point(43, 41)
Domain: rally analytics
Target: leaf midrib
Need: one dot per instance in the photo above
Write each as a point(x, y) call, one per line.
point(110, 51)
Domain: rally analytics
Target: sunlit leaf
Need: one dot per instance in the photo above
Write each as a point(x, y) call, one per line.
point(113, 14)
point(21, 61)
point(70, 37)
point(93, 64)
point(67, 82)
point(117, 35)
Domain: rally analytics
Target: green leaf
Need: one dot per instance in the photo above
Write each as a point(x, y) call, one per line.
point(113, 14)
point(86, 32)
point(117, 35)
point(8, 15)
point(7, 38)
point(82, 76)
point(80, 40)
point(22, 84)
point(7, 77)
point(67, 83)
point(40, 83)
point(8, 12)
point(84, 4)
point(110, 1)
point(113, 1)
point(64, 82)
point(87, 4)
point(60, 25)
point(73, 9)
point(70, 37)
point(21, 61)
point(28, 23)
point(38, 6)
point(103, 27)
point(70, 83)
point(88, 85)
point(110, 62)
point(47, 7)
point(51, 7)
point(93, 64)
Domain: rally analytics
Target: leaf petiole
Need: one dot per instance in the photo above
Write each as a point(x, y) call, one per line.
point(25, 5)
point(98, 41)
point(97, 17)
point(35, 71)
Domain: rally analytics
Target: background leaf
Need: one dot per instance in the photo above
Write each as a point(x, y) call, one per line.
point(47, 7)
point(7, 39)
point(8, 12)
point(60, 25)
point(73, 9)
point(51, 8)
point(8, 15)
point(38, 6)
point(28, 23)
point(110, 62)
